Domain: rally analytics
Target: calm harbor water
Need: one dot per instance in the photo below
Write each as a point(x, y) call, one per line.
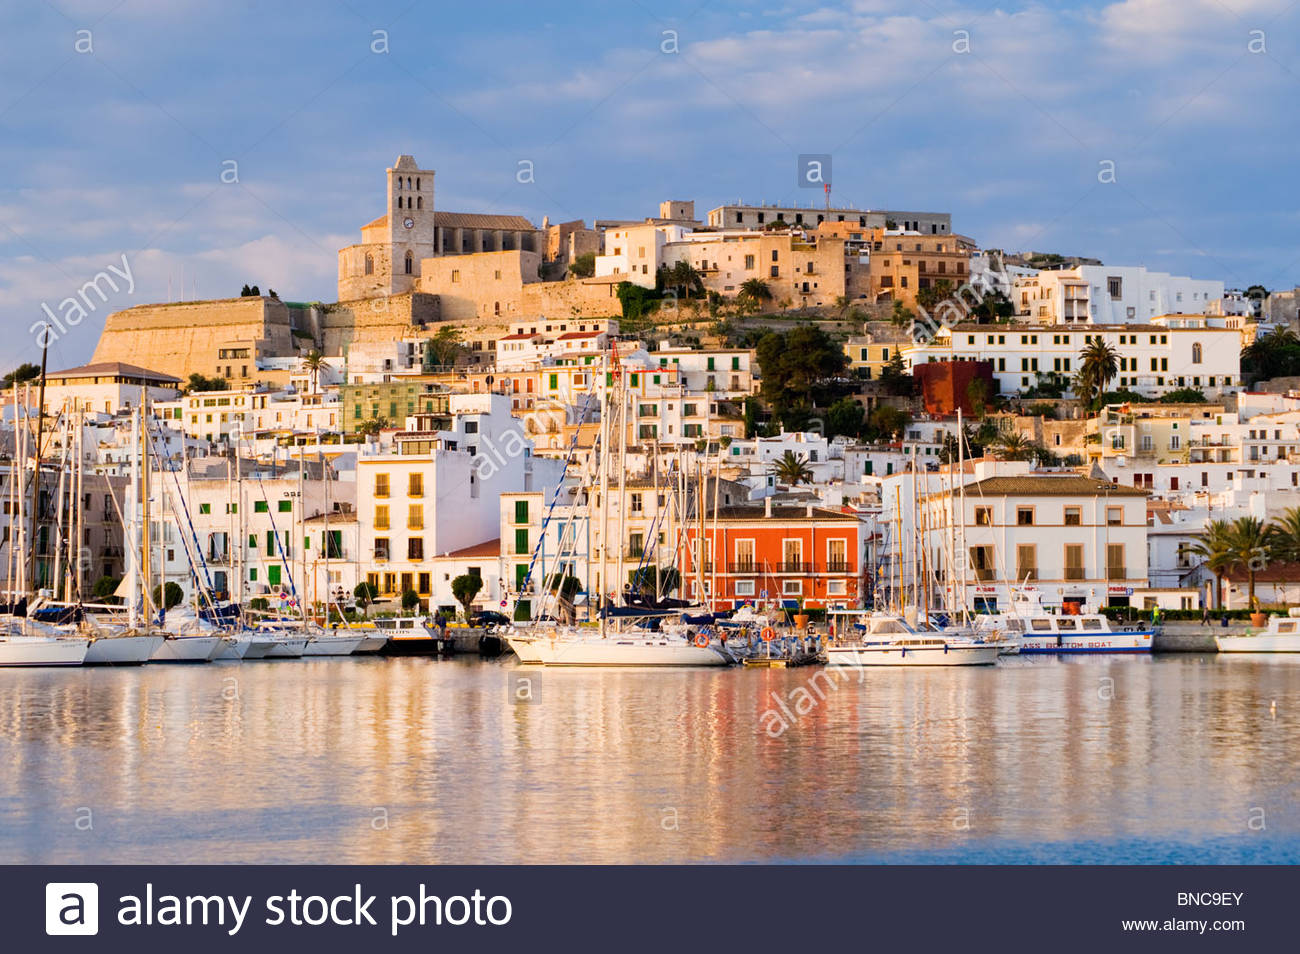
point(1176, 758)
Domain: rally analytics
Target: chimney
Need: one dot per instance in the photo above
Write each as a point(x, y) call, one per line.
point(810, 508)
point(767, 506)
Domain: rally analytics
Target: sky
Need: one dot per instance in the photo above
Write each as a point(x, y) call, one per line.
point(1141, 132)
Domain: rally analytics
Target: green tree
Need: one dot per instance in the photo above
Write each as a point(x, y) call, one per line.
point(888, 423)
point(24, 372)
point(1214, 546)
point(1284, 536)
point(105, 589)
point(977, 392)
point(198, 382)
point(313, 363)
point(796, 364)
point(464, 588)
point(365, 593)
point(637, 301)
point(845, 417)
point(791, 468)
point(584, 266)
point(753, 292)
point(410, 600)
point(1098, 364)
point(173, 593)
point(444, 347)
point(1275, 355)
point(1250, 545)
point(895, 378)
point(1183, 396)
point(684, 278)
point(901, 316)
point(1015, 446)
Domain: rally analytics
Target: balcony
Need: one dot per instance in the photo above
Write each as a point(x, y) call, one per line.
point(1027, 574)
point(381, 554)
point(746, 567)
point(984, 574)
point(788, 566)
point(1116, 573)
point(837, 566)
point(1073, 573)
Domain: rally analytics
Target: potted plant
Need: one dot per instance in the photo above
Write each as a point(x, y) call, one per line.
point(801, 618)
point(1257, 617)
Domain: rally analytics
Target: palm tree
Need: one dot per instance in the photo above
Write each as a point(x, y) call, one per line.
point(1098, 365)
point(313, 362)
point(1214, 546)
point(753, 291)
point(1249, 544)
point(1284, 536)
point(791, 468)
point(1014, 446)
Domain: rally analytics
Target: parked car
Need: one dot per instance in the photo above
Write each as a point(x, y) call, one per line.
point(489, 618)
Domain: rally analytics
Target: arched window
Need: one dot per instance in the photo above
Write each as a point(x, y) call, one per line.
point(410, 263)
point(408, 182)
point(1196, 353)
point(370, 264)
point(417, 183)
point(399, 182)
point(419, 202)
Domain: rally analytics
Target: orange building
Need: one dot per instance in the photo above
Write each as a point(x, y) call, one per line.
point(805, 553)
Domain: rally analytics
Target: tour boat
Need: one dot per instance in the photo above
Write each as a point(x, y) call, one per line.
point(1281, 636)
point(410, 636)
point(19, 650)
point(1038, 631)
point(557, 646)
point(889, 640)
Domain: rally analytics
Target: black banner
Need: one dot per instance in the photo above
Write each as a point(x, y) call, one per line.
point(794, 908)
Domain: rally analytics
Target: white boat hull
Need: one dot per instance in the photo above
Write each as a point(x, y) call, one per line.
point(285, 647)
point(333, 645)
point(1263, 643)
point(982, 655)
point(236, 647)
point(1114, 642)
point(42, 651)
point(123, 650)
point(188, 649)
point(613, 651)
point(370, 644)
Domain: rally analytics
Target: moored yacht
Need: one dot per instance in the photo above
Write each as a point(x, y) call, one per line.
point(1039, 631)
point(883, 639)
point(1281, 636)
point(19, 650)
point(566, 646)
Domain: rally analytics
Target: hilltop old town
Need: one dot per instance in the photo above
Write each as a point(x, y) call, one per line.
point(820, 408)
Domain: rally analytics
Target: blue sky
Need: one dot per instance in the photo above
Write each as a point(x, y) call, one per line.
point(120, 150)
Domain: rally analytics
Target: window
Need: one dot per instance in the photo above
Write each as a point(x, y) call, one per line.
point(1024, 516)
point(1026, 562)
point(205, 508)
point(981, 560)
point(415, 548)
point(1115, 569)
point(415, 517)
point(521, 540)
point(837, 556)
point(410, 263)
point(792, 556)
point(273, 575)
point(381, 485)
point(1073, 516)
point(1074, 561)
point(521, 511)
point(1196, 353)
point(792, 588)
point(1115, 516)
point(1115, 286)
point(744, 587)
point(744, 557)
point(983, 516)
point(381, 518)
point(286, 506)
point(260, 506)
point(415, 485)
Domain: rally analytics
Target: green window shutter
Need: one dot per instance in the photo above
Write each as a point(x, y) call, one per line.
point(710, 364)
point(252, 575)
point(205, 508)
point(521, 540)
point(521, 572)
point(252, 541)
point(555, 382)
point(306, 542)
point(259, 506)
point(521, 511)
point(286, 506)
point(273, 575)
point(735, 363)
point(270, 543)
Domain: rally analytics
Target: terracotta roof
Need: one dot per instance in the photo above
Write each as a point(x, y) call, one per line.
point(382, 220)
point(113, 368)
point(488, 548)
point(519, 337)
point(579, 334)
point(1273, 573)
point(784, 513)
point(475, 220)
point(1073, 485)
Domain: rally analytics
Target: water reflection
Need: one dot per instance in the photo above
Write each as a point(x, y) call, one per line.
point(415, 760)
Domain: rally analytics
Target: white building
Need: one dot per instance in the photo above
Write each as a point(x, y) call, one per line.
point(1171, 352)
point(635, 252)
point(1108, 295)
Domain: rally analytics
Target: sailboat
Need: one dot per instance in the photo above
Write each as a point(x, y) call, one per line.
point(622, 640)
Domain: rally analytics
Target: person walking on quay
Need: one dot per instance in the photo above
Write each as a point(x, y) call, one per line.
point(1205, 615)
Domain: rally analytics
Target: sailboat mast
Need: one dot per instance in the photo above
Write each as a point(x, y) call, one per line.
point(605, 413)
point(146, 548)
point(962, 553)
